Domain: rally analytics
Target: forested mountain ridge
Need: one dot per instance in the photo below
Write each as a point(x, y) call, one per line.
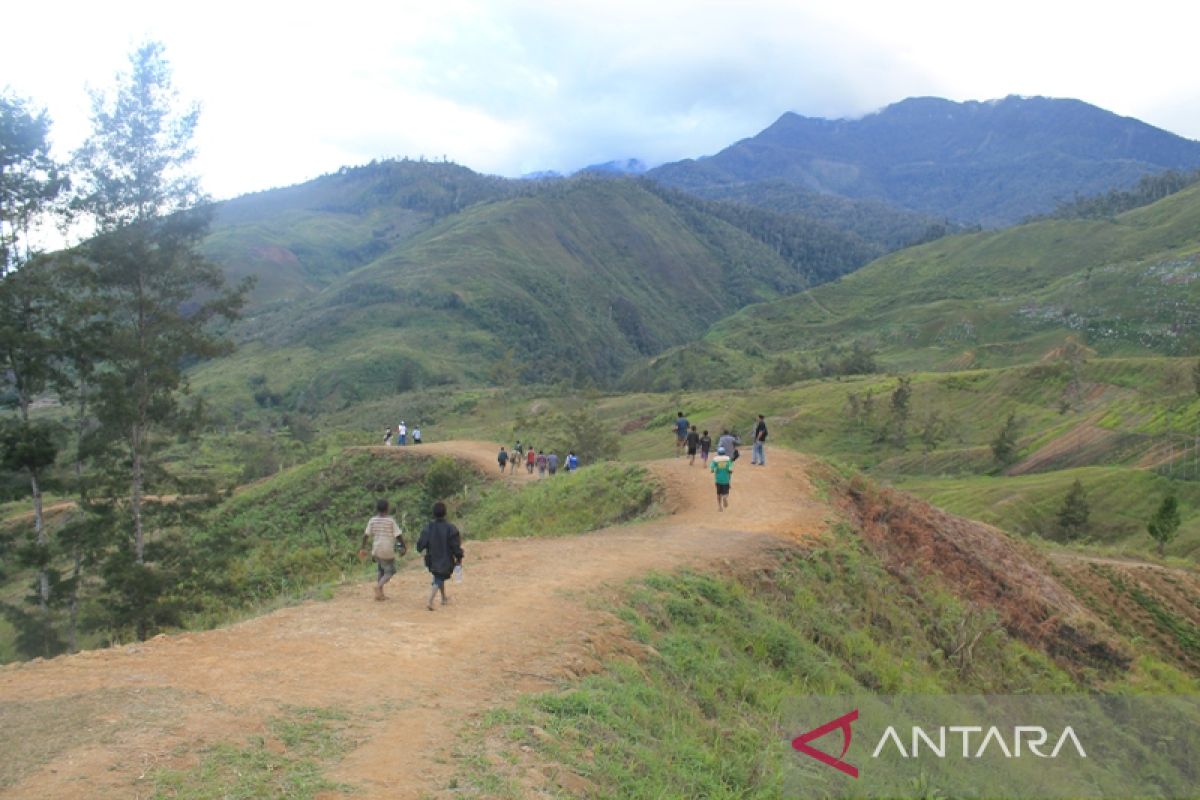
point(991, 163)
point(570, 280)
point(298, 239)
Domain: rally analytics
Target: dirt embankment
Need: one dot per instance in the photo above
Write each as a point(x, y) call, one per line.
point(984, 565)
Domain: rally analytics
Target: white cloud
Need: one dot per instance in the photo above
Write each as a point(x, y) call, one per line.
point(290, 90)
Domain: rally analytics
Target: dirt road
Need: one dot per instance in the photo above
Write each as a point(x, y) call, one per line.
point(529, 613)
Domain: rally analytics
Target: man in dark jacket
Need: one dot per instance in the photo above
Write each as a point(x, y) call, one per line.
point(442, 545)
point(759, 455)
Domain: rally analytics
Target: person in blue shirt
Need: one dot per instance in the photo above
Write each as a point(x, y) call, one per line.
point(572, 461)
point(681, 432)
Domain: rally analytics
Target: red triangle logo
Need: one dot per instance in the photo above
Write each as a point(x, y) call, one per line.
point(843, 723)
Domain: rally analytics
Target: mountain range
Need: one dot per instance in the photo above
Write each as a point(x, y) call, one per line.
point(987, 163)
point(401, 274)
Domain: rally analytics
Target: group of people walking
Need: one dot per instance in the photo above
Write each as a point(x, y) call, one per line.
point(401, 435)
point(691, 442)
point(531, 458)
point(440, 541)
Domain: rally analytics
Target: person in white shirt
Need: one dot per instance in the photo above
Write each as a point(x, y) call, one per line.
point(387, 538)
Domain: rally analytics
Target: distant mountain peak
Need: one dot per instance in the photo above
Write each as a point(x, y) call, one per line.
point(991, 162)
point(628, 166)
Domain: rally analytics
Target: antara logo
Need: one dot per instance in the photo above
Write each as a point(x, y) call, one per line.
point(1033, 737)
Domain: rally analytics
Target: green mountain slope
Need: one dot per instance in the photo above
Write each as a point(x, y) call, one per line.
point(299, 239)
point(569, 281)
point(1121, 286)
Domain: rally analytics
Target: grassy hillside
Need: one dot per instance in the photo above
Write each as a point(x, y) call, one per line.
point(698, 692)
point(299, 239)
point(1121, 286)
point(573, 282)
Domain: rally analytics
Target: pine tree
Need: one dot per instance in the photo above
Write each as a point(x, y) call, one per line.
point(1073, 516)
point(1165, 522)
point(160, 294)
point(30, 182)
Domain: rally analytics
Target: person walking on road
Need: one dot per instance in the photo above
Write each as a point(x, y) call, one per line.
point(530, 457)
point(416, 435)
point(541, 464)
point(758, 454)
point(693, 444)
point(502, 459)
point(442, 545)
point(401, 433)
point(730, 442)
point(681, 430)
point(552, 462)
point(386, 538)
point(722, 469)
point(572, 461)
point(705, 448)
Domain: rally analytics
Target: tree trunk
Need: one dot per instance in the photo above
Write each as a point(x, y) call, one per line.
point(39, 530)
point(77, 551)
point(73, 616)
point(135, 497)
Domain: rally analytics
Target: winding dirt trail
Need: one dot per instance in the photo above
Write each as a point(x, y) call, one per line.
point(529, 613)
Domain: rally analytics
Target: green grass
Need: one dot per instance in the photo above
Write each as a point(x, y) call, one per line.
point(309, 740)
point(569, 503)
point(303, 527)
point(704, 710)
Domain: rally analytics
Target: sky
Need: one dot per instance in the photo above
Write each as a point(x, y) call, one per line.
point(289, 91)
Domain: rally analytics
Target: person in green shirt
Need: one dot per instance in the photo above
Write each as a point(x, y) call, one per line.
point(722, 469)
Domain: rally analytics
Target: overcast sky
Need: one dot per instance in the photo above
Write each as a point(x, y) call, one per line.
point(292, 90)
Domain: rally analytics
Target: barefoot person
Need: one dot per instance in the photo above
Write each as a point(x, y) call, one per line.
point(722, 469)
point(387, 537)
point(442, 544)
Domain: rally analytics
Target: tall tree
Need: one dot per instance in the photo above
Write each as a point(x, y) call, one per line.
point(160, 294)
point(30, 182)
